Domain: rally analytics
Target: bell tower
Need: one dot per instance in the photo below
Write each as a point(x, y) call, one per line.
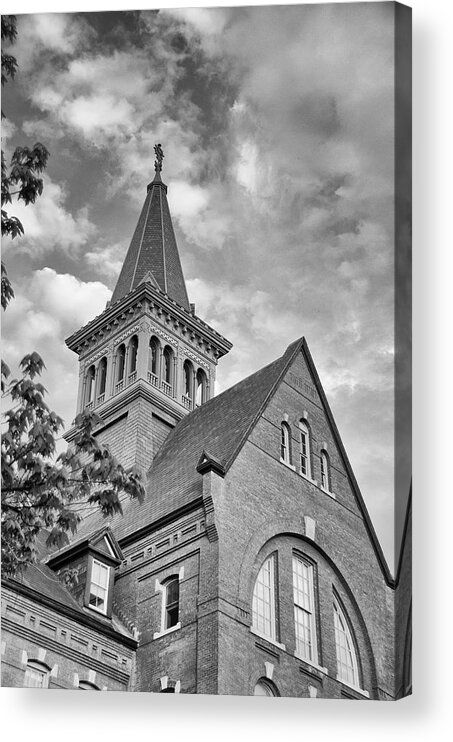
point(147, 360)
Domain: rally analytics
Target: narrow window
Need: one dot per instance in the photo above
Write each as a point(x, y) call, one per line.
point(347, 667)
point(171, 603)
point(133, 348)
point(201, 387)
point(325, 473)
point(120, 362)
point(166, 368)
point(36, 675)
point(90, 386)
point(188, 378)
point(263, 607)
point(102, 378)
point(285, 447)
point(304, 449)
point(304, 609)
point(99, 587)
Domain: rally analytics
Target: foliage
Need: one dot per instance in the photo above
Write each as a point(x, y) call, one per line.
point(22, 177)
point(40, 493)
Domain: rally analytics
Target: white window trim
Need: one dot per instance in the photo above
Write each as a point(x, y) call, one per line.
point(303, 428)
point(161, 587)
point(267, 638)
point(355, 688)
point(287, 444)
point(273, 636)
point(312, 613)
point(338, 608)
point(104, 610)
point(315, 665)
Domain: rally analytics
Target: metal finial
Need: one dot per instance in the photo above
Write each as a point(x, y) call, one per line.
point(159, 157)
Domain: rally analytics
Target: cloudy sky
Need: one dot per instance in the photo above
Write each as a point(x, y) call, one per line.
point(277, 127)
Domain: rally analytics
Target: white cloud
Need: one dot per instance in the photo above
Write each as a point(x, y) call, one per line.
point(49, 307)
point(48, 224)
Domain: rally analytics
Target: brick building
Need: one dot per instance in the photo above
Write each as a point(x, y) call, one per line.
point(252, 567)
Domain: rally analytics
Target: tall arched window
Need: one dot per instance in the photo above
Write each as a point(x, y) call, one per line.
point(120, 365)
point(188, 384)
point(167, 372)
point(201, 387)
point(305, 459)
point(325, 471)
point(285, 443)
point(153, 361)
point(102, 378)
point(263, 604)
point(90, 386)
point(347, 665)
point(304, 609)
point(133, 349)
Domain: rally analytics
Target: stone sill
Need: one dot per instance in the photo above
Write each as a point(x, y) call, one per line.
point(158, 634)
point(267, 639)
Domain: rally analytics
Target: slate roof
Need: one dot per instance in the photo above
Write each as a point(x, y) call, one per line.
point(153, 253)
point(219, 427)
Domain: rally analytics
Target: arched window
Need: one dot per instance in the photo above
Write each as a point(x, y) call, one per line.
point(264, 688)
point(285, 443)
point(305, 465)
point(304, 609)
point(167, 371)
point(120, 364)
point(91, 373)
point(347, 665)
point(201, 387)
point(263, 605)
point(325, 471)
point(188, 380)
point(171, 603)
point(153, 361)
point(102, 378)
point(36, 675)
point(133, 348)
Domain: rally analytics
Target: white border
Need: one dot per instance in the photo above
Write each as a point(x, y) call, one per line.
point(130, 716)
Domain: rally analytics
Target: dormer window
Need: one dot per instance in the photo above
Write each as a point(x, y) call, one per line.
point(99, 586)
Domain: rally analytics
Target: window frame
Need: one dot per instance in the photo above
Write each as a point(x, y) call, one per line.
point(304, 443)
point(108, 588)
point(272, 588)
point(37, 667)
point(325, 471)
point(311, 612)
point(340, 611)
point(285, 443)
point(162, 586)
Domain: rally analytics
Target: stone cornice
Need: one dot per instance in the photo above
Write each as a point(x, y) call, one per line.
point(146, 297)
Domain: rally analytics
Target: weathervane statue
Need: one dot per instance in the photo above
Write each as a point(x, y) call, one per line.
point(159, 157)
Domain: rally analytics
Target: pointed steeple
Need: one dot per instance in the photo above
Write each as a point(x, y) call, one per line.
point(153, 252)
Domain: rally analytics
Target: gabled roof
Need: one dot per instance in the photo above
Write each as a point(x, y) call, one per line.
point(219, 427)
point(153, 253)
point(212, 436)
point(100, 540)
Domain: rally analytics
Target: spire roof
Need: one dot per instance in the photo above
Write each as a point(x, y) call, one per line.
point(153, 253)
